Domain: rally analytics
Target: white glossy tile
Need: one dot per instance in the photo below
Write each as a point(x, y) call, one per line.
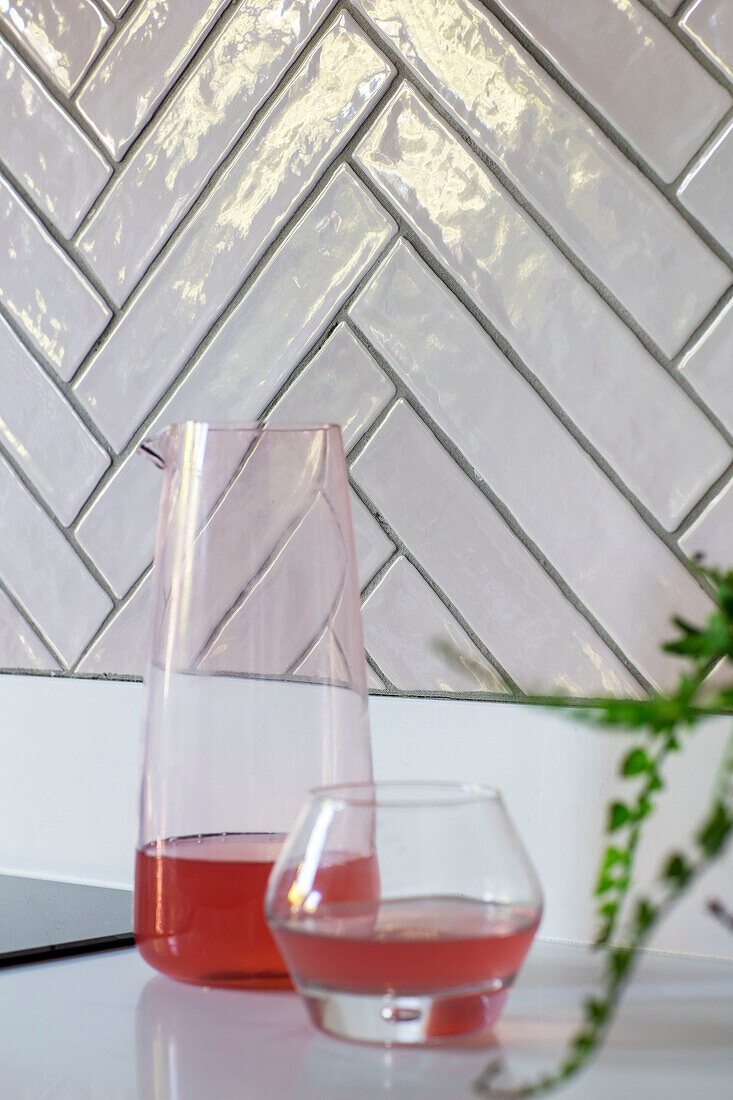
point(707, 190)
point(44, 574)
point(603, 378)
point(118, 531)
point(710, 534)
point(20, 646)
point(122, 91)
point(373, 546)
point(121, 648)
point(633, 70)
point(63, 35)
point(43, 291)
point(173, 160)
point(279, 162)
point(44, 435)
point(601, 205)
point(44, 148)
point(572, 512)
point(710, 24)
point(416, 641)
point(281, 315)
point(708, 366)
point(342, 385)
point(669, 6)
point(484, 570)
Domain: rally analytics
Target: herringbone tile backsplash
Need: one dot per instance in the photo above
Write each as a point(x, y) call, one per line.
point(492, 239)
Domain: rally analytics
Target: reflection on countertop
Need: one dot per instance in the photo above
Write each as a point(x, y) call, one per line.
point(107, 1026)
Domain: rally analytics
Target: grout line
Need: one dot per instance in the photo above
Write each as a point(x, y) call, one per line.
point(681, 10)
point(694, 338)
point(119, 24)
point(115, 20)
point(673, 25)
point(670, 22)
point(28, 618)
point(64, 674)
point(375, 580)
point(509, 353)
point(53, 375)
point(338, 317)
point(402, 549)
point(700, 154)
point(190, 60)
point(515, 527)
point(572, 702)
point(27, 343)
point(366, 437)
point(389, 688)
point(66, 532)
point(121, 604)
point(60, 240)
point(57, 94)
point(702, 504)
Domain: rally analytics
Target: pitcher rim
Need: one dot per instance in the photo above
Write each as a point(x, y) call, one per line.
point(254, 425)
point(145, 446)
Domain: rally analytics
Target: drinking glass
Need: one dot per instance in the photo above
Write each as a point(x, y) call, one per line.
point(424, 948)
point(256, 685)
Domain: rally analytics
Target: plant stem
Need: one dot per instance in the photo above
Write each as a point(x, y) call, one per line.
point(711, 838)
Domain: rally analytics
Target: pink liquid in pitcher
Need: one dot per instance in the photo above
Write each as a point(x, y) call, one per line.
point(198, 910)
point(199, 913)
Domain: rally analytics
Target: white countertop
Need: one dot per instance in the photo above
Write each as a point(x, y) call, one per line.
point(106, 1027)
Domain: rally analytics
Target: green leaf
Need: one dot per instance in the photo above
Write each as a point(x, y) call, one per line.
point(645, 914)
point(677, 871)
point(614, 856)
point(596, 1010)
point(714, 640)
point(643, 807)
point(605, 883)
point(636, 762)
point(714, 833)
point(619, 814)
point(583, 1042)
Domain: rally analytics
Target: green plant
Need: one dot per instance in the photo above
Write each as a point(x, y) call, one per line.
point(661, 724)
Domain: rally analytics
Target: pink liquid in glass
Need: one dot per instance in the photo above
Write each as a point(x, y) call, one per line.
point(409, 946)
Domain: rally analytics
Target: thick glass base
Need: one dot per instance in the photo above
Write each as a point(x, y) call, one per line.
point(402, 1019)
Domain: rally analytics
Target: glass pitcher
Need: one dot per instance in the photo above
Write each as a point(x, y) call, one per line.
point(256, 685)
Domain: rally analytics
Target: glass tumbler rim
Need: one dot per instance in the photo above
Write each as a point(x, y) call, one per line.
point(435, 794)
